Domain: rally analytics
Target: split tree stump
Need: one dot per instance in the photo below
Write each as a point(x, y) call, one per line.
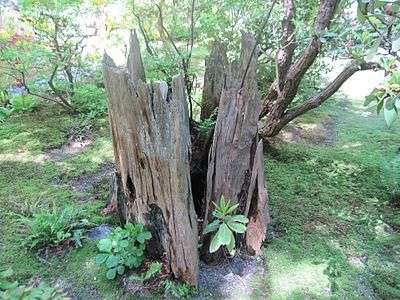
point(151, 140)
point(235, 167)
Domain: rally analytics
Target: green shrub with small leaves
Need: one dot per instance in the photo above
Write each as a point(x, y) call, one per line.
point(179, 290)
point(22, 103)
point(52, 227)
point(123, 248)
point(226, 224)
point(90, 100)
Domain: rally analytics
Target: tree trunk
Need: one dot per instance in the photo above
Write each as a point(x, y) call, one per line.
point(235, 168)
point(214, 78)
point(151, 140)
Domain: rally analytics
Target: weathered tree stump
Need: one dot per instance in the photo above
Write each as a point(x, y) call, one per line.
point(214, 79)
point(235, 168)
point(151, 140)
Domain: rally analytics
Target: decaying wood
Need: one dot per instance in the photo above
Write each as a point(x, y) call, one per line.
point(235, 168)
point(151, 140)
point(214, 78)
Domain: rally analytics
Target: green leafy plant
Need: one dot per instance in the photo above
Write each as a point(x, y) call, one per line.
point(154, 269)
point(22, 103)
point(387, 95)
point(208, 123)
point(123, 248)
point(225, 225)
point(12, 289)
point(52, 227)
point(179, 290)
point(90, 100)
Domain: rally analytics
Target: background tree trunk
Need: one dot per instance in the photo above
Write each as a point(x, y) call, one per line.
point(235, 168)
point(150, 131)
point(214, 78)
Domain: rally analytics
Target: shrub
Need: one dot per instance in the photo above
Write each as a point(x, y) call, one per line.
point(51, 228)
point(22, 103)
point(123, 248)
point(90, 100)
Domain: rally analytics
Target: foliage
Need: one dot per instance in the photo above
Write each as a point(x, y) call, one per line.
point(22, 103)
point(52, 227)
point(208, 123)
point(12, 290)
point(89, 100)
point(123, 248)
point(16, 104)
point(225, 224)
point(46, 58)
point(154, 269)
point(387, 95)
point(179, 290)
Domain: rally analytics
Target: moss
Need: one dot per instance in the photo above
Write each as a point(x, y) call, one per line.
point(330, 213)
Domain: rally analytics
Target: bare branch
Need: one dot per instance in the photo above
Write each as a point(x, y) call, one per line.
point(327, 92)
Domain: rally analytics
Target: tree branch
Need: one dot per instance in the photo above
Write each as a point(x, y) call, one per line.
point(327, 92)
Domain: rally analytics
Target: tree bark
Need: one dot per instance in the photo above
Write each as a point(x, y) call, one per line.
point(151, 140)
point(235, 168)
point(214, 78)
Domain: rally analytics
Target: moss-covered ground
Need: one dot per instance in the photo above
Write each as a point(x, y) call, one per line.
point(335, 231)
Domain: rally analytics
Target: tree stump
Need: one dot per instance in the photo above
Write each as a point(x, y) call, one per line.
point(214, 79)
point(235, 167)
point(152, 148)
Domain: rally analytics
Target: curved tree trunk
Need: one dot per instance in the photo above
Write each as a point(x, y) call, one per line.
point(235, 168)
point(150, 131)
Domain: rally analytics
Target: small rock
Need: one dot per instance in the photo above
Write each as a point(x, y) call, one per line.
point(99, 232)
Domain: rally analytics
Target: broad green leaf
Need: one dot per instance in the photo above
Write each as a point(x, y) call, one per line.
point(237, 227)
point(240, 219)
point(215, 244)
point(101, 258)
point(211, 227)
point(224, 234)
point(390, 116)
point(231, 247)
point(112, 261)
point(105, 245)
point(143, 236)
point(111, 273)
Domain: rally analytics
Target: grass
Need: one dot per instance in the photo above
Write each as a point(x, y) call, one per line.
point(27, 180)
point(333, 236)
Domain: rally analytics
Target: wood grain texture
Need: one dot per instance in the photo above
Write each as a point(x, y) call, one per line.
point(235, 168)
point(151, 140)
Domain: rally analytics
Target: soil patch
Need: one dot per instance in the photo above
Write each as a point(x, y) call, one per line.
point(73, 147)
point(235, 279)
point(91, 180)
point(323, 133)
